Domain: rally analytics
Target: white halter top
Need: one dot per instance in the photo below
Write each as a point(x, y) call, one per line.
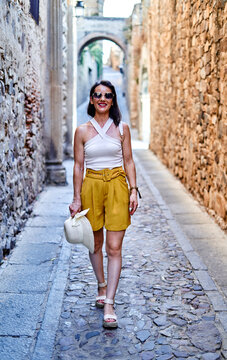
point(103, 151)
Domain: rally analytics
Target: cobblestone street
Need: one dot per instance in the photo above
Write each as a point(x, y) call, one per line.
point(171, 299)
point(163, 311)
point(166, 63)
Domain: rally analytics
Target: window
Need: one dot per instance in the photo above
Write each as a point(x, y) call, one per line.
point(34, 10)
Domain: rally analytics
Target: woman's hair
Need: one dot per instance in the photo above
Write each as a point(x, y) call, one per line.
point(114, 113)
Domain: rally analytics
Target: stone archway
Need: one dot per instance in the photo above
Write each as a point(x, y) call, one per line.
point(91, 28)
point(87, 73)
point(100, 36)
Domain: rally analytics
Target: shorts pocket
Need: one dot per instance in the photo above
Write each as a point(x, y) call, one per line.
point(122, 179)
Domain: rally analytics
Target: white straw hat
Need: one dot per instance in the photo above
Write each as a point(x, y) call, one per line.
point(78, 230)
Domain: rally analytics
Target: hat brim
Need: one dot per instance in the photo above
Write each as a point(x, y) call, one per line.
point(78, 230)
point(88, 235)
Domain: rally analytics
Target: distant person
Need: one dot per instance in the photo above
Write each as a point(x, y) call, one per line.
point(121, 69)
point(104, 144)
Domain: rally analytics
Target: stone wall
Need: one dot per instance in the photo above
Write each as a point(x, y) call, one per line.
point(116, 58)
point(64, 76)
point(87, 76)
point(22, 64)
point(187, 87)
point(134, 38)
point(37, 110)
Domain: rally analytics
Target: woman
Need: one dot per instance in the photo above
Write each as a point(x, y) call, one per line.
point(104, 144)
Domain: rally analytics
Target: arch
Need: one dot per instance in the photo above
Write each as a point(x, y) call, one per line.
point(100, 36)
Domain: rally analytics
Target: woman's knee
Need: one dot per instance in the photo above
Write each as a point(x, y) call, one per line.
point(113, 251)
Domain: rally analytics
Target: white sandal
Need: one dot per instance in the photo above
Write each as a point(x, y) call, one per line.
point(99, 303)
point(110, 324)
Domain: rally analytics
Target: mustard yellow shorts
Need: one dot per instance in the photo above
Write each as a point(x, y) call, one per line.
point(106, 194)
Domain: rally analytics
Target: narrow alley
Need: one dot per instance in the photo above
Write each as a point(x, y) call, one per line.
point(168, 304)
point(167, 61)
point(163, 311)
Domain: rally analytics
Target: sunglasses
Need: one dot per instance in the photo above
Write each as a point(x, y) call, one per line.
point(98, 95)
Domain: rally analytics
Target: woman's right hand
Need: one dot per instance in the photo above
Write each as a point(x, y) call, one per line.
point(75, 207)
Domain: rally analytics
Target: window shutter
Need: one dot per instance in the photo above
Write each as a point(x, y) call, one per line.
point(34, 10)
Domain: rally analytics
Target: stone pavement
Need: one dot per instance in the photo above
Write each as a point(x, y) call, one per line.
point(204, 235)
point(32, 277)
point(163, 311)
point(171, 301)
point(47, 291)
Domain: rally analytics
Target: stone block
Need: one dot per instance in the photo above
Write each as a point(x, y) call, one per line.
point(19, 314)
point(220, 205)
point(217, 301)
point(195, 261)
point(14, 348)
point(34, 254)
point(223, 45)
point(207, 58)
point(205, 280)
point(42, 236)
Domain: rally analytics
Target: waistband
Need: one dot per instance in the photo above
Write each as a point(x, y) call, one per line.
point(105, 174)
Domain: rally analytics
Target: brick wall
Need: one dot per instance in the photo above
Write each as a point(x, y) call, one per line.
point(187, 86)
point(22, 86)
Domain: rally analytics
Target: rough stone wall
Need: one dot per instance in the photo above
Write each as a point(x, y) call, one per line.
point(65, 75)
point(87, 76)
point(22, 65)
point(134, 37)
point(116, 57)
point(187, 85)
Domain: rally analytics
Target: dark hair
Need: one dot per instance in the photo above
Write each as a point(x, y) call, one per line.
point(115, 113)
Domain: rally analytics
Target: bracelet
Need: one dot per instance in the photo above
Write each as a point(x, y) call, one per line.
point(137, 189)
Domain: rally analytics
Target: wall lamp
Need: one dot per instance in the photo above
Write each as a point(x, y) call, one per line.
point(79, 8)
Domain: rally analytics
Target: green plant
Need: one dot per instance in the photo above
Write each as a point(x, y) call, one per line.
point(96, 52)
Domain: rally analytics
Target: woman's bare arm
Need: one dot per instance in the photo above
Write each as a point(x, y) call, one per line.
point(78, 170)
point(130, 169)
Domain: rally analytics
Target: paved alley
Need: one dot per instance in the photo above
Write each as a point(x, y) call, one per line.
point(163, 302)
point(168, 64)
point(171, 299)
point(163, 311)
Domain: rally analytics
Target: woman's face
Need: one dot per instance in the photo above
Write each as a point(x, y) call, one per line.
point(101, 102)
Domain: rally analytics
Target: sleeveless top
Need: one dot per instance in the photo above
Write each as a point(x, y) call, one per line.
point(103, 151)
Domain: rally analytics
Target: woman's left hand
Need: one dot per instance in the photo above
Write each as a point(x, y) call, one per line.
point(133, 204)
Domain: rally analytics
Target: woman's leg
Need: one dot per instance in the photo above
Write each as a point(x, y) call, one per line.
point(114, 241)
point(97, 260)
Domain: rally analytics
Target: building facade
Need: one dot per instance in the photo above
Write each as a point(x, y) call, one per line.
point(93, 7)
point(177, 65)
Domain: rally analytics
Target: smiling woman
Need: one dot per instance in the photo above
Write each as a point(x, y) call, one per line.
point(106, 100)
point(104, 145)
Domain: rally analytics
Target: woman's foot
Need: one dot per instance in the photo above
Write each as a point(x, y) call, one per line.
point(101, 295)
point(110, 318)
